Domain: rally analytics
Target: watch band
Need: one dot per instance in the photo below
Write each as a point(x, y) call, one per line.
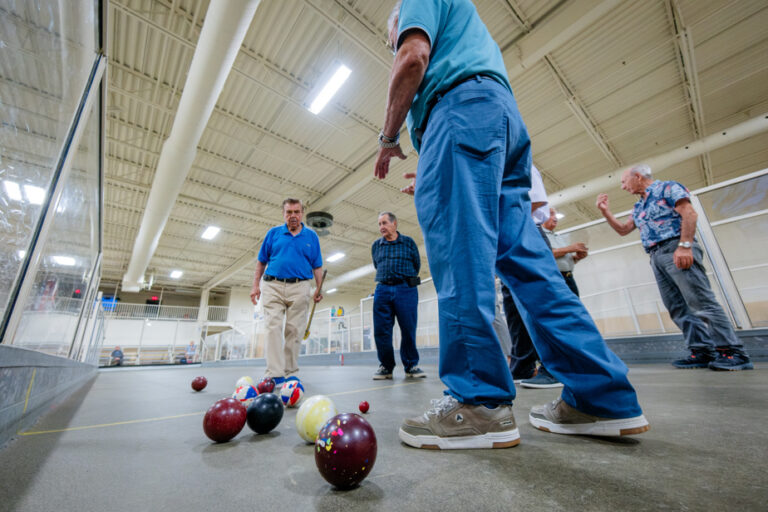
point(388, 142)
point(686, 245)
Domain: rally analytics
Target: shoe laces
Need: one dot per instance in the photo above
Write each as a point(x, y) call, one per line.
point(439, 406)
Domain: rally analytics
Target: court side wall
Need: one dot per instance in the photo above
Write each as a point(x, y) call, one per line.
point(32, 383)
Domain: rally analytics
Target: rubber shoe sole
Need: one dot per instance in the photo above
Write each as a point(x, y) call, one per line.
point(541, 386)
point(690, 366)
point(743, 366)
point(382, 377)
point(416, 375)
point(506, 439)
point(608, 428)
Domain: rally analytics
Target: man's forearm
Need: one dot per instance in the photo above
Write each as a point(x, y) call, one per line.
point(318, 272)
point(260, 267)
point(614, 222)
point(688, 226)
point(407, 74)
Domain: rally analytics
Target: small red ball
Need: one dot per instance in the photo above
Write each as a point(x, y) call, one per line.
point(364, 406)
point(199, 383)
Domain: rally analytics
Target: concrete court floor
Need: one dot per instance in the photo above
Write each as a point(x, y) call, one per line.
point(706, 450)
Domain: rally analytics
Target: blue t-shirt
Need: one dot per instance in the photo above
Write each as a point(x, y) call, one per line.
point(461, 48)
point(655, 216)
point(288, 256)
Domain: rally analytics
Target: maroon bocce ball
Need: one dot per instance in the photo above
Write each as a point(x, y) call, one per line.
point(364, 406)
point(345, 450)
point(199, 383)
point(266, 386)
point(224, 420)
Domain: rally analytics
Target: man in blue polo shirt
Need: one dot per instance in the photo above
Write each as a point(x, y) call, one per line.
point(667, 223)
point(471, 198)
point(397, 263)
point(288, 259)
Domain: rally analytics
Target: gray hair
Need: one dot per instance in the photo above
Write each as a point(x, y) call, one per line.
point(394, 14)
point(290, 200)
point(642, 169)
point(392, 217)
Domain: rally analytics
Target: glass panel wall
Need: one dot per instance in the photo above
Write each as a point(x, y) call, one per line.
point(48, 51)
point(738, 214)
point(69, 254)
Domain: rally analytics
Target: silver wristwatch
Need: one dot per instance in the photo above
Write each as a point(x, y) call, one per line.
point(388, 142)
point(686, 245)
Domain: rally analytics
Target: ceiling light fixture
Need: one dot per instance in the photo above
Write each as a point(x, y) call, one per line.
point(559, 215)
point(64, 261)
point(210, 232)
point(35, 195)
point(12, 189)
point(330, 89)
point(335, 257)
point(332, 290)
point(176, 274)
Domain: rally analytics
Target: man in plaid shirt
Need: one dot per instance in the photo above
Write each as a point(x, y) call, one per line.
point(397, 262)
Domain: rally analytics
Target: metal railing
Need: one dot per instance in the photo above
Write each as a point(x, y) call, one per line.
point(154, 312)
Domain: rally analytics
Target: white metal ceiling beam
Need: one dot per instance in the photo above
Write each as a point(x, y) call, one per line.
point(553, 32)
point(687, 62)
point(550, 34)
point(722, 138)
point(222, 35)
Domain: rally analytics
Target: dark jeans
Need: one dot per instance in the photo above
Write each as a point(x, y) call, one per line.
point(390, 302)
point(688, 297)
point(571, 282)
point(524, 355)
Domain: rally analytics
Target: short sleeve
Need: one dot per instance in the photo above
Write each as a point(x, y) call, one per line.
point(674, 191)
point(266, 248)
point(317, 260)
point(420, 14)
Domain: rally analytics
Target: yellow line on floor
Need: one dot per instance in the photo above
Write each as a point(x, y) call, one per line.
point(29, 389)
point(109, 424)
point(85, 427)
point(376, 388)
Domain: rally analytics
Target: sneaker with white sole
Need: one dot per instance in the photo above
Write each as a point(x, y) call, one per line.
point(414, 372)
point(452, 425)
point(560, 418)
point(382, 374)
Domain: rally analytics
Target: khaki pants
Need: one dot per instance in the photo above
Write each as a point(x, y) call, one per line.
point(287, 302)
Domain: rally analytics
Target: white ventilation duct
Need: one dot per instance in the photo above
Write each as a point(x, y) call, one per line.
point(712, 142)
point(224, 29)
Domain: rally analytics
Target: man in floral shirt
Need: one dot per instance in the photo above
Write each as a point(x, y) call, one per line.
point(667, 223)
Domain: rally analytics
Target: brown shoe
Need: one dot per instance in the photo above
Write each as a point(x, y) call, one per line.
point(560, 418)
point(450, 425)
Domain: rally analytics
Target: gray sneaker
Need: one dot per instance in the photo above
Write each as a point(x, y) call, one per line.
point(450, 425)
point(560, 418)
point(415, 372)
point(382, 374)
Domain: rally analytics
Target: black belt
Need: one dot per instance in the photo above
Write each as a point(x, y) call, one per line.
point(392, 282)
point(661, 244)
point(567, 274)
point(286, 280)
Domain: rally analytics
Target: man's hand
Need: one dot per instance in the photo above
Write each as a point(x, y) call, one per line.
point(317, 297)
point(411, 188)
point(255, 295)
point(383, 158)
point(683, 258)
point(602, 202)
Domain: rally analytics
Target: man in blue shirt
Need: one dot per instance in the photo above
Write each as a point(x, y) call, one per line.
point(116, 357)
point(471, 198)
point(667, 223)
point(397, 263)
point(289, 257)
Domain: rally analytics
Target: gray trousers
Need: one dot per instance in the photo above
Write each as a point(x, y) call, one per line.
point(688, 297)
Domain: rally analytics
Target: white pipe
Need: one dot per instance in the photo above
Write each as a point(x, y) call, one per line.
point(712, 142)
point(224, 29)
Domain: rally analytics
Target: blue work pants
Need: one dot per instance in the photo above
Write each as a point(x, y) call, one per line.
point(473, 207)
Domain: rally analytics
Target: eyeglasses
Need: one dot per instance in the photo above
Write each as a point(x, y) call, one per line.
point(391, 48)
